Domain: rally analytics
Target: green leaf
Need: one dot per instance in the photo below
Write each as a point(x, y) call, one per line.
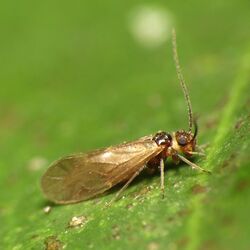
point(75, 79)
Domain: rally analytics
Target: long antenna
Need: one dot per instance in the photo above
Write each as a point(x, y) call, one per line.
point(181, 79)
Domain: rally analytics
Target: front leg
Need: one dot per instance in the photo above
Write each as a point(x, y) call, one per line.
point(162, 177)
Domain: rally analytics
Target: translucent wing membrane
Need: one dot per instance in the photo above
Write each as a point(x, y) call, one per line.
point(81, 176)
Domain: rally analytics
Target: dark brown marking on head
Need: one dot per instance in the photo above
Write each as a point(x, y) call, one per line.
point(163, 138)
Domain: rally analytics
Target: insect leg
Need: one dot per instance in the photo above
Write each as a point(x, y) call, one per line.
point(193, 165)
point(196, 153)
point(162, 177)
point(126, 185)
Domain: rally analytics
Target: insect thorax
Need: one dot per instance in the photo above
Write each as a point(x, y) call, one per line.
point(163, 138)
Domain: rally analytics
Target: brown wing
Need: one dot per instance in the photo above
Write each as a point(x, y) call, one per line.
point(81, 176)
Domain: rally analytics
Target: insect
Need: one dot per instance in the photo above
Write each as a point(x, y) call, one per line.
point(82, 176)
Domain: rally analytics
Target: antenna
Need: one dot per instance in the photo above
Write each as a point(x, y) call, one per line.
point(181, 79)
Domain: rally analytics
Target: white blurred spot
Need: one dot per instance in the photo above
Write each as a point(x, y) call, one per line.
point(151, 26)
point(37, 163)
point(47, 209)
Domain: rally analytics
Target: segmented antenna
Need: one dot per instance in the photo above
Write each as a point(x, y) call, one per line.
point(181, 79)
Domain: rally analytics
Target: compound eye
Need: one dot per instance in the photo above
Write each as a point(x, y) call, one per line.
point(182, 140)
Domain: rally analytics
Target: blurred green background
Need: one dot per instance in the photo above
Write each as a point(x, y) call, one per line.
point(81, 75)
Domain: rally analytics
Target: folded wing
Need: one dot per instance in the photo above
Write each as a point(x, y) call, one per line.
point(81, 176)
